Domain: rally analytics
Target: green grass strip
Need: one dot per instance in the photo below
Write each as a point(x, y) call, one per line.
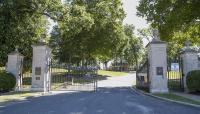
point(112, 73)
point(178, 98)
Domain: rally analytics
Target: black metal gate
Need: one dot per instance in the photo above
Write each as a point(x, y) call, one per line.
point(68, 78)
point(26, 75)
point(175, 74)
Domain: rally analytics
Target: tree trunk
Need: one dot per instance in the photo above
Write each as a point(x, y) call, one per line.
point(121, 64)
point(106, 63)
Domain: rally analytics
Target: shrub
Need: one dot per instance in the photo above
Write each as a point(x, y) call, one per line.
point(193, 80)
point(7, 81)
point(143, 88)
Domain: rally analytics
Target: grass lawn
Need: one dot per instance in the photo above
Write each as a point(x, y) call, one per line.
point(2, 68)
point(112, 73)
point(59, 70)
point(178, 98)
point(173, 75)
point(17, 96)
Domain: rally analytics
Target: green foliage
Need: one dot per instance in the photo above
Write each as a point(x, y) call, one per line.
point(145, 89)
point(7, 81)
point(170, 15)
point(134, 46)
point(193, 80)
point(91, 30)
point(177, 21)
point(86, 30)
point(146, 33)
point(23, 23)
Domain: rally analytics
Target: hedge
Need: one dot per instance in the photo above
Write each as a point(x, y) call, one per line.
point(7, 81)
point(193, 81)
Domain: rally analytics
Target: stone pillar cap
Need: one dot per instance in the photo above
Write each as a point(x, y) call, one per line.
point(156, 41)
point(188, 48)
point(16, 52)
point(40, 43)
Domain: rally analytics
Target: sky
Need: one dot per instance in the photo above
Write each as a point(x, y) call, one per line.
point(131, 17)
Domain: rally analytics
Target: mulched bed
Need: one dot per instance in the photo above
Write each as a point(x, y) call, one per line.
point(195, 93)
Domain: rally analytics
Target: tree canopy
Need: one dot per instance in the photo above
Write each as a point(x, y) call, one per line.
point(170, 15)
point(92, 29)
point(177, 20)
point(23, 23)
point(85, 30)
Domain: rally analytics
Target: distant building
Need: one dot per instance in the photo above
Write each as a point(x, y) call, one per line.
point(116, 65)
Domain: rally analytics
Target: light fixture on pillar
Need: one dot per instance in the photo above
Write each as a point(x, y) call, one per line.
point(42, 39)
point(188, 43)
point(16, 48)
point(156, 34)
point(156, 37)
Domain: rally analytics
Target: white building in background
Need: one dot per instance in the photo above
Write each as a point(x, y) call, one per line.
point(103, 66)
point(119, 65)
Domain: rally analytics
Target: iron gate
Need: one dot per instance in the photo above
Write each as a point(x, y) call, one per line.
point(175, 74)
point(26, 75)
point(67, 78)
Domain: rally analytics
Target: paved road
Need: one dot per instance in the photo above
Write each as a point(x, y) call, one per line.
point(114, 97)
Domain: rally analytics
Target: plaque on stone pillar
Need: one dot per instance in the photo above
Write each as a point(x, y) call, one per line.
point(159, 70)
point(37, 70)
point(37, 78)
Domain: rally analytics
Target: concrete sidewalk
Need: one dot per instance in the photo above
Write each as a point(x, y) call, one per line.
point(189, 96)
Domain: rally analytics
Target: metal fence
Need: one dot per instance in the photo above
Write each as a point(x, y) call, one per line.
point(175, 75)
point(26, 75)
point(142, 75)
point(65, 77)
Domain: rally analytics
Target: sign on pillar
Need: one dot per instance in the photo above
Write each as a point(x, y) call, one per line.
point(40, 67)
point(14, 66)
point(157, 58)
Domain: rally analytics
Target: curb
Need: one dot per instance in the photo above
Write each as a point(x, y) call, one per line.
point(161, 98)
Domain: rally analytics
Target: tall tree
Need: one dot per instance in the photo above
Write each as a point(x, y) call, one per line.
point(146, 33)
point(92, 29)
point(170, 15)
point(23, 22)
point(134, 48)
point(177, 20)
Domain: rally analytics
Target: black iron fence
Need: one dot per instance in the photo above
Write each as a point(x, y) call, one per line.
point(26, 75)
point(142, 75)
point(175, 75)
point(65, 77)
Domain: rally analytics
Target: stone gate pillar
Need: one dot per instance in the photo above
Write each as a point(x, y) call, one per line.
point(157, 58)
point(14, 66)
point(190, 62)
point(40, 67)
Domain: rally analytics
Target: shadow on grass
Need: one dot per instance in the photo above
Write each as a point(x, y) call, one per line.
point(17, 96)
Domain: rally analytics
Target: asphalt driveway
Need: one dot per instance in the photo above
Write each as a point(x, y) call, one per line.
point(113, 97)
